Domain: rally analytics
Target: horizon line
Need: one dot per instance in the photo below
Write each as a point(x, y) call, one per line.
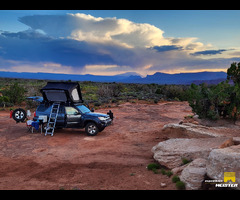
point(163, 72)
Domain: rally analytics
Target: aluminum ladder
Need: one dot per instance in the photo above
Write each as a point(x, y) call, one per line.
point(52, 119)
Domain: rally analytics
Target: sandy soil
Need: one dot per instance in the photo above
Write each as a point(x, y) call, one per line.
point(114, 159)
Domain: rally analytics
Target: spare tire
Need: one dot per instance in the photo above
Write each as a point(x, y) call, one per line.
point(19, 115)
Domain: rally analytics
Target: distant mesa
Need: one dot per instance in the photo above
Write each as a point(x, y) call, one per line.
point(129, 77)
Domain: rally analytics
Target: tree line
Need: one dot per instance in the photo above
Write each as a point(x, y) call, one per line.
point(217, 101)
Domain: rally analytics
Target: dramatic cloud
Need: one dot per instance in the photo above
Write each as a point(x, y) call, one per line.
point(88, 28)
point(80, 43)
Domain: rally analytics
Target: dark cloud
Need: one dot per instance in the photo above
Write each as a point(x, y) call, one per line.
point(209, 52)
point(28, 34)
point(166, 48)
point(36, 47)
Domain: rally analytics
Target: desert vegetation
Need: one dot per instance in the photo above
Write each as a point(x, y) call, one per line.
point(99, 95)
point(217, 101)
point(207, 101)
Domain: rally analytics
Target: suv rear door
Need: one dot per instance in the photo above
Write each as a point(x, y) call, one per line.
point(61, 117)
point(45, 109)
point(73, 117)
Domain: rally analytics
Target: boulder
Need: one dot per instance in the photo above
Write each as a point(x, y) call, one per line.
point(236, 140)
point(193, 175)
point(224, 160)
point(178, 170)
point(189, 130)
point(170, 152)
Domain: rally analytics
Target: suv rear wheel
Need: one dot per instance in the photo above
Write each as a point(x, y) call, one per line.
point(91, 129)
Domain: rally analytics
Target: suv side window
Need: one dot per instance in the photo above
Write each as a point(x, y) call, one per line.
point(62, 109)
point(71, 110)
point(42, 108)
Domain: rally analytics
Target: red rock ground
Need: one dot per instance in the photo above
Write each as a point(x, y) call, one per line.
point(115, 159)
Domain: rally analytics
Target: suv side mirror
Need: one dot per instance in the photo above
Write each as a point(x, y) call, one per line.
point(77, 113)
point(92, 110)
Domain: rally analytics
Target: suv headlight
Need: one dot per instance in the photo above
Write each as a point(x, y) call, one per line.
point(102, 118)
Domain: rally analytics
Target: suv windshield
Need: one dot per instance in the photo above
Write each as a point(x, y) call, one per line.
point(83, 109)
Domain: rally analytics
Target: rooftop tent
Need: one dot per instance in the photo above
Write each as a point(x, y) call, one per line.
point(62, 92)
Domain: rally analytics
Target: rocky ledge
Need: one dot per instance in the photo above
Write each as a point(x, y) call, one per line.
point(171, 152)
point(224, 160)
point(212, 150)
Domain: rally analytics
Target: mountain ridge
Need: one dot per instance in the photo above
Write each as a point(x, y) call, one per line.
point(129, 77)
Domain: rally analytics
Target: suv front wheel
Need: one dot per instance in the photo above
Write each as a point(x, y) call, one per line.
point(91, 129)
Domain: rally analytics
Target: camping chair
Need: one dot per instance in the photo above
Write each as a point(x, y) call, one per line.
point(29, 125)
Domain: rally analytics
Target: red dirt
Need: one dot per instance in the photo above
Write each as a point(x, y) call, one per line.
point(114, 159)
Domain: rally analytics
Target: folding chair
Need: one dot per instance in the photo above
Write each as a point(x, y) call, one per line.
point(29, 125)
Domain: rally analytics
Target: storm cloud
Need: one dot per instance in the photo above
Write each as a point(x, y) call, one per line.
point(80, 43)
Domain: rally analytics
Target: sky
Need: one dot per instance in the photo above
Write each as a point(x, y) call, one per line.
point(110, 42)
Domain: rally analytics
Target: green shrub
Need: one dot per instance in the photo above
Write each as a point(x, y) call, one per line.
point(169, 173)
point(97, 104)
point(155, 101)
point(180, 185)
point(185, 161)
point(114, 100)
point(15, 93)
point(153, 166)
point(155, 171)
point(163, 171)
point(175, 179)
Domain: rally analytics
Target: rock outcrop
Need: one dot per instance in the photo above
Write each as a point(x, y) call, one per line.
point(193, 175)
point(224, 160)
point(214, 151)
point(189, 130)
point(171, 152)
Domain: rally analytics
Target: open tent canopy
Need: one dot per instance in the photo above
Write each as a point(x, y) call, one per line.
point(62, 92)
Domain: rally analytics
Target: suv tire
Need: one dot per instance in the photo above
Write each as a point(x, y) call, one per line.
point(19, 115)
point(91, 129)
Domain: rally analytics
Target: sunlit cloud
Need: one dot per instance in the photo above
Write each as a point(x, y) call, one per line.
point(81, 44)
point(105, 69)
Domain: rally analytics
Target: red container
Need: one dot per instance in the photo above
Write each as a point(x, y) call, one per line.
point(11, 112)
